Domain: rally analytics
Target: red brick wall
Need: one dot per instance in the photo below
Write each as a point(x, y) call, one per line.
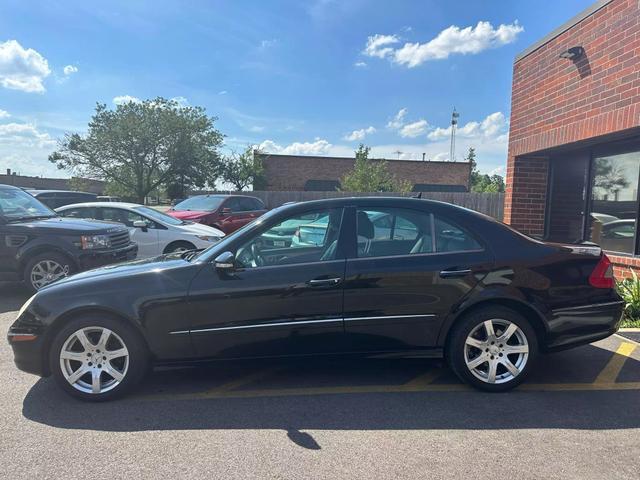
point(291, 172)
point(557, 102)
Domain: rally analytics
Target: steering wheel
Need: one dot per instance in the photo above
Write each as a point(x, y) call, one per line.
point(256, 254)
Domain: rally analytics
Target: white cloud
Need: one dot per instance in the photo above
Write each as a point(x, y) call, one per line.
point(380, 45)
point(358, 135)
point(398, 119)
point(264, 44)
point(24, 148)
point(122, 99)
point(4, 114)
point(493, 127)
point(318, 147)
point(360, 64)
point(256, 129)
point(451, 40)
point(70, 69)
point(414, 129)
point(222, 92)
point(22, 69)
point(407, 130)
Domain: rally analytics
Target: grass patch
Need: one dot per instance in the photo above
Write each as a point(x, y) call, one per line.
point(630, 323)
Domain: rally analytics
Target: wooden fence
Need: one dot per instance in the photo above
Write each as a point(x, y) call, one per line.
point(491, 204)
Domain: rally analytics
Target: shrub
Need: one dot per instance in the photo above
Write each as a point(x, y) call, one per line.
point(629, 290)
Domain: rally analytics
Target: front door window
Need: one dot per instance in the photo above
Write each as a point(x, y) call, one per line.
point(302, 238)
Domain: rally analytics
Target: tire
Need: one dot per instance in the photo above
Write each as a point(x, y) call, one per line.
point(41, 263)
point(179, 246)
point(69, 357)
point(485, 365)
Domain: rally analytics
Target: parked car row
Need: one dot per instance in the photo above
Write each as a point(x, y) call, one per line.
point(40, 245)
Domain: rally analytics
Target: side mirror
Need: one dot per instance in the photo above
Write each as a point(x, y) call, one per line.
point(225, 261)
point(141, 224)
point(226, 211)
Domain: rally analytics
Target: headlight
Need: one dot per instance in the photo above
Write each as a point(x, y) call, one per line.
point(90, 242)
point(25, 306)
point(208, 238)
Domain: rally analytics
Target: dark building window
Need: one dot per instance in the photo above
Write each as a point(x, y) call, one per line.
point(593, 195)
point(321, 185)
point(614, 201)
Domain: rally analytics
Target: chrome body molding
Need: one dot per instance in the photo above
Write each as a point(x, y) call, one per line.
point(300, 322)
point(591, 305)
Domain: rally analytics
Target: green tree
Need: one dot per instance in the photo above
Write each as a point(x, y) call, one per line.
point(243, 170)
point(78, 184)
point(481, 182)
point(143, 146)
point(371, 176)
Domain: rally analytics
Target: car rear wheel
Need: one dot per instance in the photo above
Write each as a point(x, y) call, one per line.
point(178, 247)
point(492, 349)
point(98, 358)
point(46, 268)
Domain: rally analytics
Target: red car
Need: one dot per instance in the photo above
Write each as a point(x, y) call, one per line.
point(224, 212)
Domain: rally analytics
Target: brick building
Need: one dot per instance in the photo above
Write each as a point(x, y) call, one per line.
point(306, 173)
point(43, 183)
point(573, 166)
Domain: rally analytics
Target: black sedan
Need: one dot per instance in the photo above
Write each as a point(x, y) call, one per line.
point(454, 283)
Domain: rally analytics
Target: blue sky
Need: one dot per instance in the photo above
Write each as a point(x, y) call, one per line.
point(308, 77)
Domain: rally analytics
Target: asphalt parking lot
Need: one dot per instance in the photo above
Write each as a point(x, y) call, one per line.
point(578, 416)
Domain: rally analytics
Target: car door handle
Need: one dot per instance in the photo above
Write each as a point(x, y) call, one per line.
point(455, 272)
point(324, 282)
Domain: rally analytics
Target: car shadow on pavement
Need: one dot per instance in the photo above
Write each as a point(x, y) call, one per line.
point(459, 409)
point(12, 296)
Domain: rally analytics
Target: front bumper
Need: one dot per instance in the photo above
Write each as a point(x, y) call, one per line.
point(89, 260)
point(570, 327)
point(28, 355)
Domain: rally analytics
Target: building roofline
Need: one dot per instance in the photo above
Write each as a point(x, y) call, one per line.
point(351, 159)
point(563, 28)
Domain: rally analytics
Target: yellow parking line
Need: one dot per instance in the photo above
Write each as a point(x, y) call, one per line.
point(611, 371)
point(423, 380)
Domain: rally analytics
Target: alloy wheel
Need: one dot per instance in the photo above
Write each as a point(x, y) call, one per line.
point(496, 351)
point(94, 360)
point(47, 271)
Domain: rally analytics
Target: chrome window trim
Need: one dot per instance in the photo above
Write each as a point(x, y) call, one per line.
point(300, 322)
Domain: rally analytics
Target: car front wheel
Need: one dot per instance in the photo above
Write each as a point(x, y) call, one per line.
point(98, 358)
point(46, 268)
point(493, 349)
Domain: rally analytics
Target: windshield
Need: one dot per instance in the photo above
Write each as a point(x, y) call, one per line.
point(158, 215)
point(200, 203)
point(18, 205)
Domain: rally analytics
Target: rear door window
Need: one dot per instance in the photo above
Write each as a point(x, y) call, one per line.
point(452, 238)
point(383, 232)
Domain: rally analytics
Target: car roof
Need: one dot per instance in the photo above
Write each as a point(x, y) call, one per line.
point(9, 187)
point(124, 205)
point(34, 191)
point(221, 195)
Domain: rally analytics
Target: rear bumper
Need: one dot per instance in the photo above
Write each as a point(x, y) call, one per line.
point(90, 260)
point(570, 327)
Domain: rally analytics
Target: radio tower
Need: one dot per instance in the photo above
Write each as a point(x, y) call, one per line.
point(454, 126)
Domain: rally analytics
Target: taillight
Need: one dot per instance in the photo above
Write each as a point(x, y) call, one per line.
point(602, 275)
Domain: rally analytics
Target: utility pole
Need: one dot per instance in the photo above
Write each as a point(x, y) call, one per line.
point(398, 152)
point(454, 126)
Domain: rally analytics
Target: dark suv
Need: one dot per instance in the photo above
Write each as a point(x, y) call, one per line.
point(224, 212)
point(39, 247)
point(60, 198)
